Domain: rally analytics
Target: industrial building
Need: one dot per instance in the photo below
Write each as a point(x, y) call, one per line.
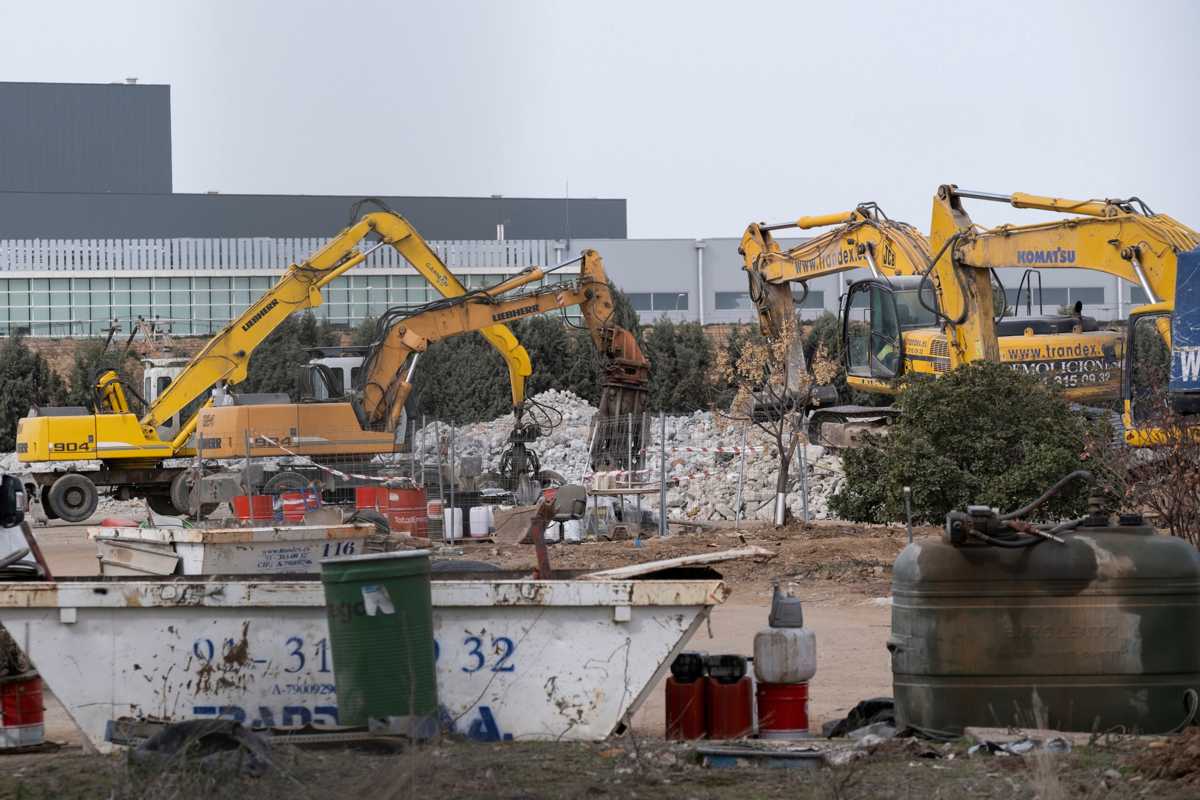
point(91, 232)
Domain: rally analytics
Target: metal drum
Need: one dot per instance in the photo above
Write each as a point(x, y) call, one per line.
point(381, 631)
point(1100, 631)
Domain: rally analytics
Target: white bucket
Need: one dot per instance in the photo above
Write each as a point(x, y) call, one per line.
point(572, 531)
point(481, 521)
point(452, 519)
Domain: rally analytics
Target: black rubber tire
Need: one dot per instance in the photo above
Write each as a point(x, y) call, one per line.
point(286, 481)
point(181, 496)
point(73, 497)
point(161, 504)
point(44, 496)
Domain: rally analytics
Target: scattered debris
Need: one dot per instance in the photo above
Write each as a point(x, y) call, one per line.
point(1177, 759)
point(208, 743)
point(869, 712)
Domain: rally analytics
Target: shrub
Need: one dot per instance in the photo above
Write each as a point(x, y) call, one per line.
point(982, 434)
point(273, 364)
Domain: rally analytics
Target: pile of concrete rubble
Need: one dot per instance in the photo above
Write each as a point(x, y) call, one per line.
point(702, 456)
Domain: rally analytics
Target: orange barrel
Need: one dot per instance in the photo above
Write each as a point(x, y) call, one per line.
point(254, 507)
point(685, 697)
point(21, 710)
point(728, 698)
point(406, 510)
point(782, 710)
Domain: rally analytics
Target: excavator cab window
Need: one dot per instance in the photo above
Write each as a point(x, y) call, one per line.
point(1147, 366)
point(871, 331)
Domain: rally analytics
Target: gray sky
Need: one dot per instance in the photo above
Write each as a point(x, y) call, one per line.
point(705, 115)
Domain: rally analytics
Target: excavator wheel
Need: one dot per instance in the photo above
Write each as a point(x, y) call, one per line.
point(181, 497)
point(286, 481)
point(73, 498)
point(44, 496)
point(161, 504)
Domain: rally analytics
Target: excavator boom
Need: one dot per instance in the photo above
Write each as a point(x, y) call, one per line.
point(226, 356)
point(385, 385)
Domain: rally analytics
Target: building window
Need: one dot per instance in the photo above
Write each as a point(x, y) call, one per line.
point(658, 301)
point(815, 299)
point(733, 301)
point(1088, 295)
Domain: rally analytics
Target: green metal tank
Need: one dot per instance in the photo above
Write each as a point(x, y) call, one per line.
point(1100, 631)
point(381, 634)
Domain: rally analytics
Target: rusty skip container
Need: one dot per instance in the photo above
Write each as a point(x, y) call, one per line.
point(1099, 632)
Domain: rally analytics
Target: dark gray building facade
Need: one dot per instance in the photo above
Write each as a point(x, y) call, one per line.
point(93, 161)
point(78, 137)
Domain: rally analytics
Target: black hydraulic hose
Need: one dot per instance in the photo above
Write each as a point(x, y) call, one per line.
point(1080, 474)
point(925, 280)
point(1014, 543)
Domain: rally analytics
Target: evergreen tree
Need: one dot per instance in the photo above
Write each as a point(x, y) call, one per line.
point(273, 364)
point(26, 380)
point(92, 357)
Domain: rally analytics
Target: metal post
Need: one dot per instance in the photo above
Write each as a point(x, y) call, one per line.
point(804, 481)
point(908, 511)
point(662, 475)
point(450, 478)
point(737, 509)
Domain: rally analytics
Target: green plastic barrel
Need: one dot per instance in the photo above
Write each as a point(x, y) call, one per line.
point(381, 633)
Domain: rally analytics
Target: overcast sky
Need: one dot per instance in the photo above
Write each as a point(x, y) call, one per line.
point(704, 115)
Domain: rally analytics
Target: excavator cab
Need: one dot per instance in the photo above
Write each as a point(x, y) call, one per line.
point(876, 314)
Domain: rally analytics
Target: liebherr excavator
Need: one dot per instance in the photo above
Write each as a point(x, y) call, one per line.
point(321, 430)
point(72, 451)
point(1118, 237)
point(1071, 350)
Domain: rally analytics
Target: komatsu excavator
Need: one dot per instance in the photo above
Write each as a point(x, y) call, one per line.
point(1072, 350)
point(74, 451)
point(321, 430)
point(1118, 237)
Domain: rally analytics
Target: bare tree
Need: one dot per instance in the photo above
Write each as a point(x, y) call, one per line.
point(774, 392)
point(1163, 479)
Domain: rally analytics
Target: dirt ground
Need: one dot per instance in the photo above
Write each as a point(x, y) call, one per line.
point(842, 573)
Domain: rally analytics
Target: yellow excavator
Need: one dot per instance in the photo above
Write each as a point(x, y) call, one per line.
point(1118, 237)
point(1071, 350)
point(366, 424)
point(74, 452)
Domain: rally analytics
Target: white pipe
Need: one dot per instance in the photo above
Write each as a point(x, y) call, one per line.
point(700, 244)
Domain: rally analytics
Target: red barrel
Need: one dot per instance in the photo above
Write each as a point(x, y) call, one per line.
point(406, 510)
point(21, 711)
point(367, 497)
point(294, 506)
point(782, 710)
point(730, 708)
point(255, 507)
point(728, 697)
point(686, 718)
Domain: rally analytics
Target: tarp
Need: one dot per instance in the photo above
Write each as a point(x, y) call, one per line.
point(1185, 326)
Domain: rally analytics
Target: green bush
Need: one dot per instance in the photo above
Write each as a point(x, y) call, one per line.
point(982, 434)
point(26, 380)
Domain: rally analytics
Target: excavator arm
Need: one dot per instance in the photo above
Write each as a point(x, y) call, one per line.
point(226, 356)
point(385, 384)
point(1111, 237)
point(864, 239)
